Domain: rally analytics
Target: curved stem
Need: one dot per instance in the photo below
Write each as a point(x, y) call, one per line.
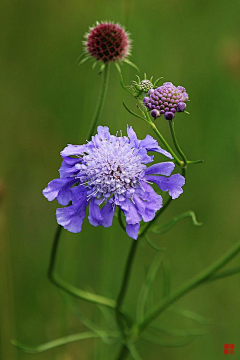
point(62, 341)
point(101, 100)
point(191, 284)
point(125, 282)
point(179, 150)
point(70, 289)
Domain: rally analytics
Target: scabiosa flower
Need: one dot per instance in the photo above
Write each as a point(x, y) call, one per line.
point(107, 42)
point(110, 172)
point(167, 100)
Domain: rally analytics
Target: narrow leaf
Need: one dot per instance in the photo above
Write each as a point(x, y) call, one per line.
point(55, 343)
point(155, 247)
point(131, 64)
point(161, 229)
point(189, 314)
point(133, 113)
point(167, 342)
point(150, 277)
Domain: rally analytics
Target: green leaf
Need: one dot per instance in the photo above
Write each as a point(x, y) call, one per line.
point(179, 332)
point(189, 314)
point(144, 292)
point(133, 351)
point(157, 81)
point(131, 64)
point(161, 229)
point(223, 274)
point(167, 280)
point(83, 60)
point(61, 341)
point(133, 113)
point(102, 67)
point(155, 247)
point(167, 342)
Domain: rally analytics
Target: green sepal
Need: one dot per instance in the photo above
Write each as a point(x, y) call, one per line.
point(130, 63)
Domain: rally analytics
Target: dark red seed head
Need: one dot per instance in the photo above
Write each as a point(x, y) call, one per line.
point(108, 42)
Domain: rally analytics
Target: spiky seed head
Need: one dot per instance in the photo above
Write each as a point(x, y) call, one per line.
point(107, 42)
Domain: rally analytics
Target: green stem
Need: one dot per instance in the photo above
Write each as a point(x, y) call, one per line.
point(195, 161)
point(167, 146)
point(70, 289)
point(62, 341)
point(125, 282)
point(123, 354)
point(191, 284)
point(121, 220)
point(101, 100)
point(179, 150)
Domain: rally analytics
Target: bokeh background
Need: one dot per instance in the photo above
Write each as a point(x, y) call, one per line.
point(48, 101)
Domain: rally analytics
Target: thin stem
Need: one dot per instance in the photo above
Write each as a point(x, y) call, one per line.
point(191, 284)
point(70, 289)
point(195, 161)
point(125, 282)
point(179, 150)
point(123, 354)
point(101, 100)
point(167, 146)
point(120, 219)
point(62, 341)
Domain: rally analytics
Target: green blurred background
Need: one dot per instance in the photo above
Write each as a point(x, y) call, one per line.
point(48, 101)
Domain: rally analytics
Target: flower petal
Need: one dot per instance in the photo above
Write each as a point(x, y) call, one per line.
point(60, 189)
point(107, 213)
point(132, 230)
point(164, 168)
point(95, 218)
point(147, 204)
point(73, 150)
point(150, 144)
point(173, 184)
point(71, 217)
point(133, 137)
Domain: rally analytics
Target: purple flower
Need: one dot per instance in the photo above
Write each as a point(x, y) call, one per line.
point(110, 172)
point(166, 100)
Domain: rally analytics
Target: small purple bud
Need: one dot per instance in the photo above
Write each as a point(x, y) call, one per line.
point(169, 115)
point(151, 91)
point(173, 110)
point(181, 88)
point(185, 96)
point(155, 113)
point(162, 112)
point(149, 105)
point(181, 106)
point(146, 100)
